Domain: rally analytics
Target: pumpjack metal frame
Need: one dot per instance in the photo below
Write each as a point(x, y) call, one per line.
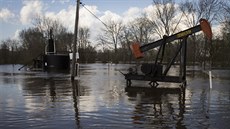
point(182, 36)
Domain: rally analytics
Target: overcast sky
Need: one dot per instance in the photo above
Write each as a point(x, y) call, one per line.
point(16, 15)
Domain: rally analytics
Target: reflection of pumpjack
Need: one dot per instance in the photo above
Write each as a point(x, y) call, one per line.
point(153, 105)
point(154, 72)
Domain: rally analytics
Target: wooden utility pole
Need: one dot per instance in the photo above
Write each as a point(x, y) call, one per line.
point(75, 42)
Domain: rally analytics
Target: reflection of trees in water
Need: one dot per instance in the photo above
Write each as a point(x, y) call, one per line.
point(159, 109)
point(197, 107)
point(54, 89)
point(34, 86)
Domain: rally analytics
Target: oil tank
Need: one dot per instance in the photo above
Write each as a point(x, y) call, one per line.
point(56, 62)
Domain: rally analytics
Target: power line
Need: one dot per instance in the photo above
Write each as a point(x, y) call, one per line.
point(83, 5)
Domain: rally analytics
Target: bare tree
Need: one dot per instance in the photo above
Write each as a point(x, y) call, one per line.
point(209, 9)
point(64, 42)
point(141, 29)
point(189, 11)
point(112, 32)
point(193, 11)
point(13, 45)
point(32, 42)
point(226, 20)
point(60, 33)
point(4, 52)
point(45, 24)
point(84, 44)
point(164, 20)
point(111, 35)
point(163, 17)
point(83, 37)
point(226, 6)
point(102, 43)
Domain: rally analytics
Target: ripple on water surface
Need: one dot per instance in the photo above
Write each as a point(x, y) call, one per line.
point(98, 100)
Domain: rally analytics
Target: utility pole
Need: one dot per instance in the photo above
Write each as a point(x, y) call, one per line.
point(75, 42)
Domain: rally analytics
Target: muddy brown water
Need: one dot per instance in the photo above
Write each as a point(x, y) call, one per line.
point(35, 100)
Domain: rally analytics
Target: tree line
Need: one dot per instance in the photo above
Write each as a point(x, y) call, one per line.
point(112, 45)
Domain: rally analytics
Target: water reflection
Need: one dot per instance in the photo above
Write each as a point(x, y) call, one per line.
point(76, 93)
point(99, 100)
point(159, 108)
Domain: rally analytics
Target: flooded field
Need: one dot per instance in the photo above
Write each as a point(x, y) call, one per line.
point(34, 100)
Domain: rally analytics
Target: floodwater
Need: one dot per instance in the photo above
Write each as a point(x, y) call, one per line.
point(97, 99)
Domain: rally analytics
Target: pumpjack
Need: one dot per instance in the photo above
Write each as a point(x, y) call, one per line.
point(155, 72)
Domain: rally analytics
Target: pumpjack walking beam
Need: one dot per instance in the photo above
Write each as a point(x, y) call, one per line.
point(204, 26)
point(154, 72)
